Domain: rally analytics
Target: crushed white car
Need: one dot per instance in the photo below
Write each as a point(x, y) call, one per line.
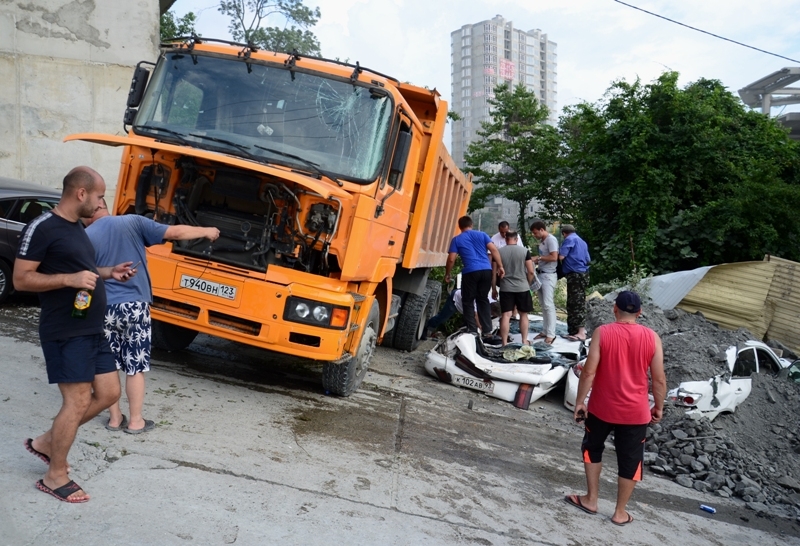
point(722, 393)
point(521, 376)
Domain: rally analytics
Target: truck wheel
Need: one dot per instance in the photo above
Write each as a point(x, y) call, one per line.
point(344, 378)
point(388, 337)
point(5, 281)
point(414, 314)
point(169, 337)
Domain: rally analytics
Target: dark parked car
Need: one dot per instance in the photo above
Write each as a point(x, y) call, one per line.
point(20, 202)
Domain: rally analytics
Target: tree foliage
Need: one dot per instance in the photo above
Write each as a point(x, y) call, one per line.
point(247, 16)
point(516, 156)
point(172, 26)
point(667, 179)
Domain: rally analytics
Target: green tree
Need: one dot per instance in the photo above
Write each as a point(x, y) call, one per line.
point(516, 156)
point(247, 17)
point(172, 26)
point(661, 179)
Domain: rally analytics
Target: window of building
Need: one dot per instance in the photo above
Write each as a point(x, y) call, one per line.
point(466, 41)
point(466, 82)
point(466, 61)
point(465, 104)
point(466, 72)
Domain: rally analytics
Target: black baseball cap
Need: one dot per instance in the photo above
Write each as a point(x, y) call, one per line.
point(628, 302)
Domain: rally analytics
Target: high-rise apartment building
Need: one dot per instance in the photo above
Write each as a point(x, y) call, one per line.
point(492, 52)
point(486, 54)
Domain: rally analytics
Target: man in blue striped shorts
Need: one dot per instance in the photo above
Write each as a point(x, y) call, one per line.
point(127, 322)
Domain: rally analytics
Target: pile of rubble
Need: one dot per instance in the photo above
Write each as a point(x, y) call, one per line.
point(699, 455)
point(753, 454)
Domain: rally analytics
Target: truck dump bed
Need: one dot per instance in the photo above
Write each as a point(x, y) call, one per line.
point(443, 191)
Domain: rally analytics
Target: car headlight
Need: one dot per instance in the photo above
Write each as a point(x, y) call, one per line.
point(315, 313)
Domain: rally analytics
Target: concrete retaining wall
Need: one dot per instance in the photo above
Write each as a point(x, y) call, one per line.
point(66, 67)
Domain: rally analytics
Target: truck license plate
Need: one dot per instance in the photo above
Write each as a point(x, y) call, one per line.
point(208, 287)
point(473, 383)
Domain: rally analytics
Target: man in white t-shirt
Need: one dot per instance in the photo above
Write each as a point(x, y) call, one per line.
point(499, 238)
point(546, 262)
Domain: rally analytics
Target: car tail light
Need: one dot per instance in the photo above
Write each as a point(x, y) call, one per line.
point(685, 398)
point(577, 369)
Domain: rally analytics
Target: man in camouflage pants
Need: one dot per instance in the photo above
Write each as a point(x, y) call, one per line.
point(574, 256)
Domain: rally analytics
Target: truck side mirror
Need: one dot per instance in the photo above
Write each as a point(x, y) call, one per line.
point(138, 84)
point(400, 155)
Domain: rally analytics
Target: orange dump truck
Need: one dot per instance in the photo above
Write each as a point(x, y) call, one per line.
point(329, 183)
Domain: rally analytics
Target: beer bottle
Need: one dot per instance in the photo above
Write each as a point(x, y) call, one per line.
point(83, 299)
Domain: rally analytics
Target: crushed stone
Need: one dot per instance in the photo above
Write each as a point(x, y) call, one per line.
point(752, 454)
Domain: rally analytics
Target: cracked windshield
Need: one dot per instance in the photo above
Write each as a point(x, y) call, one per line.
point(268, 114)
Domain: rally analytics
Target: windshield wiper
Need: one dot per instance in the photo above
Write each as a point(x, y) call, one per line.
point(181, 136)
point(314, 166)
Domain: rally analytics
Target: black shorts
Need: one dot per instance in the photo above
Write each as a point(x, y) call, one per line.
point(78, 359)
point(628, 442)
point(521, 300)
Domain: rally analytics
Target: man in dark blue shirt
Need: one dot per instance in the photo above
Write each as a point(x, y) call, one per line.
point(56, 259)
point(476, 276)
point(574, 256)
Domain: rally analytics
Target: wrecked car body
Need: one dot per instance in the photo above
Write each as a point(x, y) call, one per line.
point(724, 392)
point(516, 373)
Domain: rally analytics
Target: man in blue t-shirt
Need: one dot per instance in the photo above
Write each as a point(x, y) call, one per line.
point(476, 276)
point(574, 256)
point(127, 323)
point(56, 259)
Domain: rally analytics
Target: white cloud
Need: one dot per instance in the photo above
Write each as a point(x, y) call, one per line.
point(598, 40)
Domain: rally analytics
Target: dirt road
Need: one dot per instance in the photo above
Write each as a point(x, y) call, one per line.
point(248, 450)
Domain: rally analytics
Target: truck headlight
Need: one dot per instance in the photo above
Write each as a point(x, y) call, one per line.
point(315, 313)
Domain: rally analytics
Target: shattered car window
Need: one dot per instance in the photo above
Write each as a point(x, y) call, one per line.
point(745, 363)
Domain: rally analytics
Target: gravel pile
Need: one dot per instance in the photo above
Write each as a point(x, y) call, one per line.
point(753, 454)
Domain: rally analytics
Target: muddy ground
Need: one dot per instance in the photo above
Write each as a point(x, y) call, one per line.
point(248, 450)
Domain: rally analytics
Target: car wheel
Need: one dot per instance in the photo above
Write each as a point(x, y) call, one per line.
point(6, 284)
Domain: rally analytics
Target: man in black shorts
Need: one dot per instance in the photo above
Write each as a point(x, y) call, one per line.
point(616, 371)
point(515, 285)
point(56, 259)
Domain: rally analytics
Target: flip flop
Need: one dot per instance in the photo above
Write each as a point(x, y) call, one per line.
point(575, 338)
point(630, 519)
point(123, 424)
point(148, 425)
point(539, 336)
point(575, 501)
point(549, 340)
point(62, 493)
point(29, 446)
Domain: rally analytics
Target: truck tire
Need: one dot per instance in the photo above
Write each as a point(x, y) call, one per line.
point(414, 314)
point(169, 337)
point(344, 378)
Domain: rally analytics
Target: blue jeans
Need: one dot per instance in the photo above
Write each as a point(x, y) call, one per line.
point(444, 315)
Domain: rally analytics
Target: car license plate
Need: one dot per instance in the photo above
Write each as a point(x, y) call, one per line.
point(473, 383)
point(208, 287)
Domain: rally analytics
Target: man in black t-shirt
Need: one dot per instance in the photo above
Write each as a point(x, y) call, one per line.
point(56, 259)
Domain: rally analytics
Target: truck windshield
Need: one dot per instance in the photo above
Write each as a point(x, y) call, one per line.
point(267, 113)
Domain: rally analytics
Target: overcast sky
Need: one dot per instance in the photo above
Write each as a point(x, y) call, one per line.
point(598, 40)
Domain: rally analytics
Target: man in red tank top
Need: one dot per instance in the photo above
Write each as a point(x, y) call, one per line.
point(616, 371)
